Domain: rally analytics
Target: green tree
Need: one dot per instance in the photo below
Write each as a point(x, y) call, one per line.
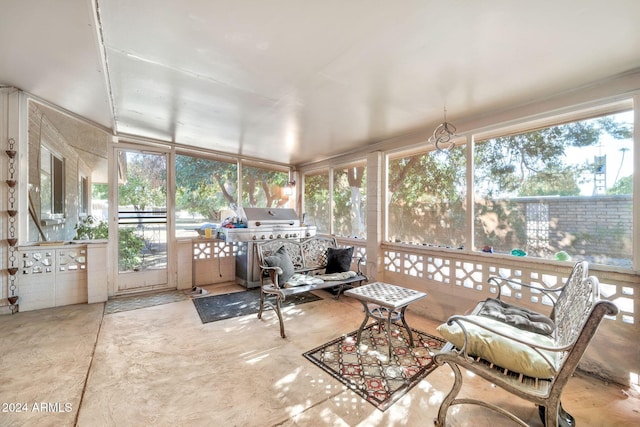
point(130, 247)
point(91, 228)
point(263, 187)
point(145, 181)
point(531, 164)
point(208, 186)
point(504, 165)
point(622, 186)
point(552, 183)
point(205, 186)
point(428, 178)
point(100, 191)
point(427, 197)
point(139, 193)
point(349, 199)
point(316, 201)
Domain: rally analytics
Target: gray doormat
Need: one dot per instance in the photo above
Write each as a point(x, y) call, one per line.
point(226, 306)
point(120, 304)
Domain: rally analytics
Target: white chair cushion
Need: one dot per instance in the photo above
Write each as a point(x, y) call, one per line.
point(502, 351)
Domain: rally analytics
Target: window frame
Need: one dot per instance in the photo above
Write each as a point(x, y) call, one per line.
point(576, 116)
point(627, 103)
point(424, 150)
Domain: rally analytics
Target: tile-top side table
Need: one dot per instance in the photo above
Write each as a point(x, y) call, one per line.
point(385, 302)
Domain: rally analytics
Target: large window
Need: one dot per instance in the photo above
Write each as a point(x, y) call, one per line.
point(206, 192)
point(317, 203)
point(558, 192)
point(349, 200)
point(426, 198)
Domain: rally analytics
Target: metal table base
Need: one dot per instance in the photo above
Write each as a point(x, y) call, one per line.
point(386, 304)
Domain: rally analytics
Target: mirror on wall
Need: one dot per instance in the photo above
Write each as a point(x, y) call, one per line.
point(67, 182)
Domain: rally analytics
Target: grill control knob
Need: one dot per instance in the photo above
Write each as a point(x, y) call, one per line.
point(271, 236)
point(279, 236)
point(262, 237)
point(253, 237)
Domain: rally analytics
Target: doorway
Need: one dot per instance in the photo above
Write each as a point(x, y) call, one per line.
point(142, 221)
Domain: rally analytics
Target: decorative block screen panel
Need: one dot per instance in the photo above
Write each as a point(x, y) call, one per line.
point(471, 272)
point(37, 262)
point(72, 259)
point(213, 249)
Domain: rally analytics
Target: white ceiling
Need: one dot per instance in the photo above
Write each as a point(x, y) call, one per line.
point(295, 81)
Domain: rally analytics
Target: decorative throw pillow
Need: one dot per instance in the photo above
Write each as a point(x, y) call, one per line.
point(281, 259)
point(339, 260)
point(519, 317)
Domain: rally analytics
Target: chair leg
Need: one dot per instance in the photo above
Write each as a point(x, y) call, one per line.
point(562, 419)
point(441, 421)
point(261, 304)
point(276, 307)
point(279, 313)
point(340, 290)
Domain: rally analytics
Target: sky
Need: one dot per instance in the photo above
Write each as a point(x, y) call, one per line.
point(619, 157)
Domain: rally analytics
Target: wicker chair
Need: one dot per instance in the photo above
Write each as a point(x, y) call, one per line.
point(577, 313)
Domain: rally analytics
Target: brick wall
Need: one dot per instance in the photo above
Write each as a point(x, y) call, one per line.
point(597, 228)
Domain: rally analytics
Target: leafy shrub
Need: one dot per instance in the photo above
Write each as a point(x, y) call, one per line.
point(91, 229)
point(129, 248)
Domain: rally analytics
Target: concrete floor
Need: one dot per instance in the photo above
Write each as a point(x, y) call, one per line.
point(161, 366)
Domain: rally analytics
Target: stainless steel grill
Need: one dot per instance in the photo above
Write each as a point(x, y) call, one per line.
point(262, 224)
point(265, 217)
point(268, 224)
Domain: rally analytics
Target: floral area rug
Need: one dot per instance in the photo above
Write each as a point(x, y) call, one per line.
point(368, 371)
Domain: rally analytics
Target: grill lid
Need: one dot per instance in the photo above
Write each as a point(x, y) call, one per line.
point(256, 217)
